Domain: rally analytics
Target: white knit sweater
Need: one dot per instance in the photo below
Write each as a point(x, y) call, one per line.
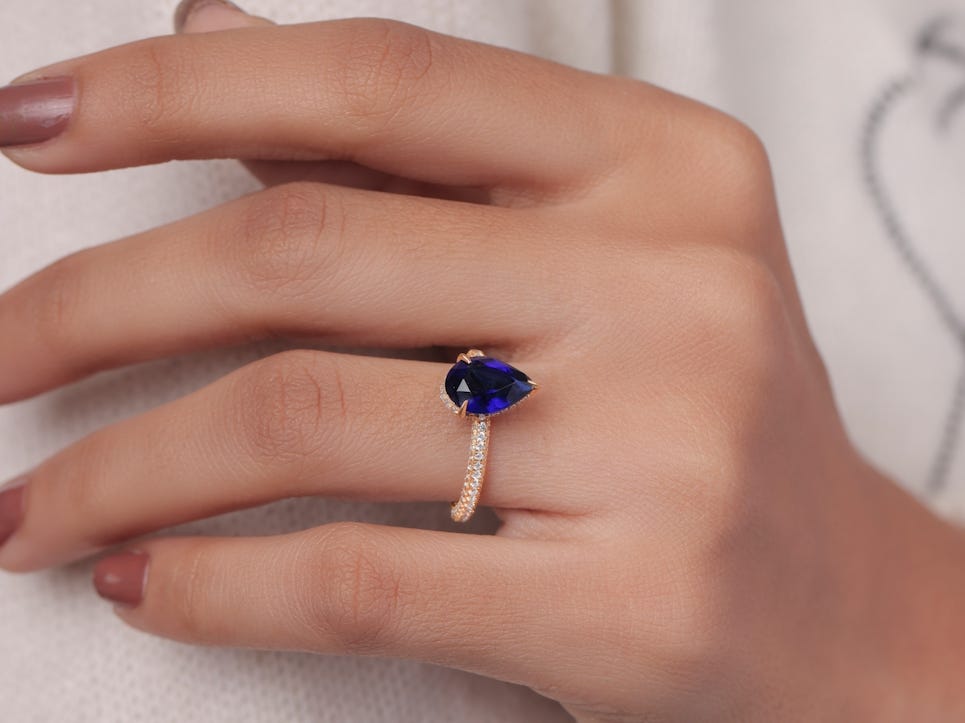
point(881, 266)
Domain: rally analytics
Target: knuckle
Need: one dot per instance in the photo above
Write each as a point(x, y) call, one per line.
point(707, 160)
point(738, 143)
point(741, 306)
point(717, 466)
point(358, 605)
point(291, 238)
point(56, 305)
point(734, 349)
point(163, 85)
point(385, 68)
point(733, 150)
point(291, 403)
point(690, 633)
point(669, 611)
point(87, 493)
point(742, 351)
point(734, 161)
point(191, 573)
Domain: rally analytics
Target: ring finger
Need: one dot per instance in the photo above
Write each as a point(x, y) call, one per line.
point(298, 423)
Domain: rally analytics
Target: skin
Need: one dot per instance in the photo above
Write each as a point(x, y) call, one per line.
point(687, 533)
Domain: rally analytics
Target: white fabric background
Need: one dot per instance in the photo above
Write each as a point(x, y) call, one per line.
point(803, 73)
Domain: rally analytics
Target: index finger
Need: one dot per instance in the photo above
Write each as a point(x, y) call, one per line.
point(381, 93)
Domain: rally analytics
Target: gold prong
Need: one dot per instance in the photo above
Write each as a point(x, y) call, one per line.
point(533, 384)
point(462, 409)
point(474, 353)
point(463, 358)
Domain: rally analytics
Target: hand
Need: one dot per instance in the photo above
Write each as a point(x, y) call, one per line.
point(687, 533)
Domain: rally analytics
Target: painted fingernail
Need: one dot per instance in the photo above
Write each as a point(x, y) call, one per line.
point(11, 507)
point(35, 111)
point(121, 578)
point(188, 8)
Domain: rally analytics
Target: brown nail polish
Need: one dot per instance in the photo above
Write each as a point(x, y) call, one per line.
point(35, 111)
point(11, 507)
point(187, 7)
point(120, 578)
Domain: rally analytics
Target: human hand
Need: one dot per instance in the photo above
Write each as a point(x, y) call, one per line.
point(687, 532)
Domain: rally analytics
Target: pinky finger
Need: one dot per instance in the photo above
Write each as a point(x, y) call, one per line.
point(475, 602)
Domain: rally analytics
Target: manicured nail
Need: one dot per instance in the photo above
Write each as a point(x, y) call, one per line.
point(35, 111)
point(120, 578)
point(187, 8)
point(11, 507)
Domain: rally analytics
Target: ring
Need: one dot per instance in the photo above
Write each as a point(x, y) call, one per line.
point(480, 387)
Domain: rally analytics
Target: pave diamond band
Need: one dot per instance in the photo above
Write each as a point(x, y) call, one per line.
point(478, 448)
point(480, 387)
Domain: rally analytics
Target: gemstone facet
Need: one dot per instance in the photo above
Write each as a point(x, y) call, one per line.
point(488, 385)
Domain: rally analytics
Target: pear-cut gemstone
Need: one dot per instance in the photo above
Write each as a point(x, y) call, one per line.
point(489, 385)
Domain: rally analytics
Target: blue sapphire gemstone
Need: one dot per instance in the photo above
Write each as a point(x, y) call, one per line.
point(489, 385)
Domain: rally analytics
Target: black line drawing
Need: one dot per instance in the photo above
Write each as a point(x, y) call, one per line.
point(931, 41)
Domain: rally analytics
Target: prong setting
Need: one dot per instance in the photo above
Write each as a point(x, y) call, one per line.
point(493, 387)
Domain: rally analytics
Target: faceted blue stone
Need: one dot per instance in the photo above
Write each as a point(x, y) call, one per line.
point(489, 385)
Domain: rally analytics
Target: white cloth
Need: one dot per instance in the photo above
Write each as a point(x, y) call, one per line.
point(804, 73)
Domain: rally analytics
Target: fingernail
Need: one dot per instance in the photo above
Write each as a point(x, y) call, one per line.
point(188, 8)
point(11, 507)
point(121, 578)
point(35, 111)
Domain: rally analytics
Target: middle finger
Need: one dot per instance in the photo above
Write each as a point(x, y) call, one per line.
point(348, 266)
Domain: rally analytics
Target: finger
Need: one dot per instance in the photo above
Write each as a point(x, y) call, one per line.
point(349, 267)
point(299, 423)
point(194, 16)
point(480, 603)
point(383, 94)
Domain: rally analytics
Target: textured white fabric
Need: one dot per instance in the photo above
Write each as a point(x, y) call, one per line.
point(804, 73)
